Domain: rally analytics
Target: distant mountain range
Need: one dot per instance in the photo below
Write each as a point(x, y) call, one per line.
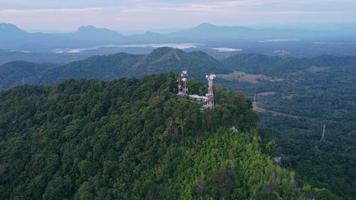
point(13, 38)
point(160, 60)
point(109, 67)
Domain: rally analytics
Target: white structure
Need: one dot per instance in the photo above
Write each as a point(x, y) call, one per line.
point(234, 129)
point(198, 98)
point(208, 99)
point(210, 94)
point(278, 159)
point(182, 81)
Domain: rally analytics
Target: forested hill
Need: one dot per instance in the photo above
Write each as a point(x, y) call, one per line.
point(133, 139)
point(161, 60)
point(279, 66)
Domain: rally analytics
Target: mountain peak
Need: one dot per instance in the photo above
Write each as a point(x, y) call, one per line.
point(94, 29)
point(9, 27)
point(205, 25)
point(94, 33)
point(89, 28)
point(163, 51)
point(209, 27)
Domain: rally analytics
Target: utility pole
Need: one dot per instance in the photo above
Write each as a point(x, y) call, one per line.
point(254, 102)
point(323, 134)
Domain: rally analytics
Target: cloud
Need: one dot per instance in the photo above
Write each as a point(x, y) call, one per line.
point(52, 19)
point(195, 6)
point(49, 10)
point(147, 14)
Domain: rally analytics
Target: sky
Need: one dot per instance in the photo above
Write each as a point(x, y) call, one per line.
point(137, 15)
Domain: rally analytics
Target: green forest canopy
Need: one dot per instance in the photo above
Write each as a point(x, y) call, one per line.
point(134, 139)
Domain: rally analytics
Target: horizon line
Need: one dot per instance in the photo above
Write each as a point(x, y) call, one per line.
point(162, 30)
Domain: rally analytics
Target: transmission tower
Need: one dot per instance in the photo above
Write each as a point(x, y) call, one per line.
point(182, 82)
point(210, 94)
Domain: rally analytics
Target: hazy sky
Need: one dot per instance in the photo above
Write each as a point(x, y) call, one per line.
point(67, 15)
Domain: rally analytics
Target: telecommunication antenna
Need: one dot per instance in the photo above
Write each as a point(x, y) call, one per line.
point(182, 82)
point(208, 99)
point(210, 94)
point(185, 81)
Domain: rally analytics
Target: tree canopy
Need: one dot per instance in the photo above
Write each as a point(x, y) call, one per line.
point(133, 139)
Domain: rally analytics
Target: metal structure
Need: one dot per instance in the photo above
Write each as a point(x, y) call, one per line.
point(254, 103)
point(182, 82)
point(196, 97)
point(208, 99)
point(210, 94)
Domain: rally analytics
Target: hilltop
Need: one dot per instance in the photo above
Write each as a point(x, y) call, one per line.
point(305, 93)
point(133, 139)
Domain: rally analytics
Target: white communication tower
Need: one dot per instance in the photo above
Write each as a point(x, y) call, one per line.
point(182, 81)
point(210, 94)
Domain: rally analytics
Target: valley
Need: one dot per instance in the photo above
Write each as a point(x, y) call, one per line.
point(308, 98)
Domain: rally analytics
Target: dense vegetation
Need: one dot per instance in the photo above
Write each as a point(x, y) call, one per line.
point(108, 67)
point(15, 73)
point(161, 60)
point(133, 139)
point(311, 94)
point(277, 65)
